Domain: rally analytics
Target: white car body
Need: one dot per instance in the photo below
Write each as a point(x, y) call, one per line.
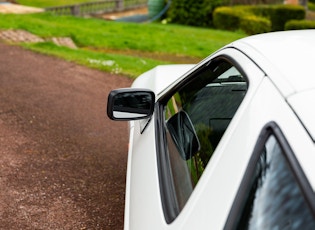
point(281, 89)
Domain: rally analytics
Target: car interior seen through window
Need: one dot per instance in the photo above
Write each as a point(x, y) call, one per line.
point(196, 116)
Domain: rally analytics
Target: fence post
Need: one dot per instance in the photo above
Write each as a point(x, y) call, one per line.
point(119, 5)
point(75, 10)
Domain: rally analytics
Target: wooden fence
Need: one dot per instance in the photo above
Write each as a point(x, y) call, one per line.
point(98, 7)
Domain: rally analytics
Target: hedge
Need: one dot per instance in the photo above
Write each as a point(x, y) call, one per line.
point(299, 25)
point(275, 15)
point(281, 14)
point(227, 18)
point(193, 12)
point(311, 6)
point(255, 25)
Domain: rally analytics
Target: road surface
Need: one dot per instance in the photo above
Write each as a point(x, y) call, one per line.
point(62, 161)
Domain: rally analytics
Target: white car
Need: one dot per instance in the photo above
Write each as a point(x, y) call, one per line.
point(227, 143)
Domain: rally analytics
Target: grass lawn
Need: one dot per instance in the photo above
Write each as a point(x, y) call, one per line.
point(125, 48)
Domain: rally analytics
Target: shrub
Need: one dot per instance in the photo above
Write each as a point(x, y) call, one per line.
point(255, 25)
point(311, 6)
point(227, 18)
point(193, 12)
point(299, 25)
point(279, 15)
point(265, 18)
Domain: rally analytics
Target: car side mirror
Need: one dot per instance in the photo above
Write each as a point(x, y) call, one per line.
point(183, 134)
point(130, 104)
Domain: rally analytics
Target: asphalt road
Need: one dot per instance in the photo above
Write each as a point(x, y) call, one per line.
point(62, 161)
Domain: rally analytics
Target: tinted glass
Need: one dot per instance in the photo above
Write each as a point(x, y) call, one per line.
point(210, 101)
point(275, 200)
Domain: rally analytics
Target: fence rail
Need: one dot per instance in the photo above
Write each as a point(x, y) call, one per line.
point(98, 7)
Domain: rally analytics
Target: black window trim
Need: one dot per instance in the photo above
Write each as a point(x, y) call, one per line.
point(269, 129)
point(167, 190)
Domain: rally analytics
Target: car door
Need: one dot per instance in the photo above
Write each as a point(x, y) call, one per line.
point(188, 162)
point(164, 183)
point(213, 196)
point(263, 122)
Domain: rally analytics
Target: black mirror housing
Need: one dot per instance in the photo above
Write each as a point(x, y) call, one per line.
point(130, 104)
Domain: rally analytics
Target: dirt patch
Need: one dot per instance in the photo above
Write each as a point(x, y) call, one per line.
point(19, 36)
point(126, 13)
point(8, 8)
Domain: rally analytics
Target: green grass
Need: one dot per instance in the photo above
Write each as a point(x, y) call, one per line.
point(113, 63)
point(49, 3)
point(97, 34)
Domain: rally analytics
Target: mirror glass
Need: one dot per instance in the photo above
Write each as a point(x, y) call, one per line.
point(130, 105)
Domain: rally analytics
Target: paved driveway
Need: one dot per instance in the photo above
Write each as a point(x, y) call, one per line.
point(62, 162)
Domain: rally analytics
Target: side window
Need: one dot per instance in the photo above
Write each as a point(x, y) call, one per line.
point(274, 198)
point(196, 117)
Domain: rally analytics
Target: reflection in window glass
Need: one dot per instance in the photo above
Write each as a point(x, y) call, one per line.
point(275, 200)
point(210, 101)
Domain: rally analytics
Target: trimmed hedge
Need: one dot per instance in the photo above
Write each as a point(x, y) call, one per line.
point(193, 12)
point(311, 6)
point(240, 17)
point(255, 25)
point(281, 14)
point(227, 18)
point(299, 25)
point(265, 18)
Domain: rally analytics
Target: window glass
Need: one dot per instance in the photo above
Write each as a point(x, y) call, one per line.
point(196, 116)
point(275, 200)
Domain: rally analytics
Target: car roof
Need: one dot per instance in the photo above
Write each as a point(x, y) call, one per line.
point(287, 57)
